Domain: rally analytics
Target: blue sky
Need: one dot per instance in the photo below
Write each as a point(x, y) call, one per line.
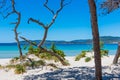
point(72, 23)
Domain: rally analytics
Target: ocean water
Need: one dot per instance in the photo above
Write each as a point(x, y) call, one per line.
point(9, 51)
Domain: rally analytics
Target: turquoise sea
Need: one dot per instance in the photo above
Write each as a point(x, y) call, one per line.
point(9, 51)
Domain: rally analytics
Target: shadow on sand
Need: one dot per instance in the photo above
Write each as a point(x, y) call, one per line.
point(75, 73)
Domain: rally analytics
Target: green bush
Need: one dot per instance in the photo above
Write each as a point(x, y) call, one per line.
point(39, 63)
point(81, 55)
point(104, 53)
point(60, 53)
point(15, 59)
point(31, 49)
point(10, 66)
point(19, 69)
point(48, 56)
point(87, 59)
point(0, 66)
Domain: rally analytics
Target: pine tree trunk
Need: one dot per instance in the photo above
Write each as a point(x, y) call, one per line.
point(96, 46)
point(117, 54)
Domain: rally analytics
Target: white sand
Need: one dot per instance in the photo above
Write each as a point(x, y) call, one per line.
point(106, 61)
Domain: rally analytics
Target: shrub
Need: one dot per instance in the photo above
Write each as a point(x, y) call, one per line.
point(39, 63)
point(46, 56)
point(14, 60)
point(10, 66)
point(19, 69)
point(77, 58)
point(60, 53)
point(104, 52)
point(81, 55)
point(55, 50)
point(0, 66)
point(87, 59)
point(31, 49)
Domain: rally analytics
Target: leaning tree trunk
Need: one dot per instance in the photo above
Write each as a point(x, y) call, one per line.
point(96, 46)
point(16, 26)
point(44, 37)
point(117, 54)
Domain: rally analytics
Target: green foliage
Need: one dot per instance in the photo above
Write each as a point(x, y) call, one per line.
point(10, 66)
point(48, 56)
point(81, 55)
point(60, 53)
point(45, 56)
point(31, 49)
point(87, 59)
point(19, 69)
point(27, 64)
point(39, 63)
point(15, 59)
point(24, 47)
point(0, 66)
point(53, 47)
point(104, 52)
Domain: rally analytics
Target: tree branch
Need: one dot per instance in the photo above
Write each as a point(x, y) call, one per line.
point(62, 5)
point(30, 42)
point(44, 38)
point(45, 4)
point(110, 5)
point(36, 21)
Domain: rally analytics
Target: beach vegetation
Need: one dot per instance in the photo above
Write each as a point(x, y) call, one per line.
point(15, 59)
point(31, 49)
point(104, 53)
point(87, 59)
point(52, 65)
point(32, 63)
point(81, 55)
point(55, 50)
point(0, 66)
point(10, 66)
point(39, 63)
point(19, 69)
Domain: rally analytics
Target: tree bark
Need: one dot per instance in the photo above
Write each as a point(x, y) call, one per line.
point(96, 46)
point(117, 54)
point(44, 37)
point(16, 27)
point(16, 34)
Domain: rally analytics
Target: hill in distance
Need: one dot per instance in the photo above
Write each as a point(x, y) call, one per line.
point(105, 39)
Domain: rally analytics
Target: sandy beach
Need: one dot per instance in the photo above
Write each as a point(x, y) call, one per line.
point(36, 74)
